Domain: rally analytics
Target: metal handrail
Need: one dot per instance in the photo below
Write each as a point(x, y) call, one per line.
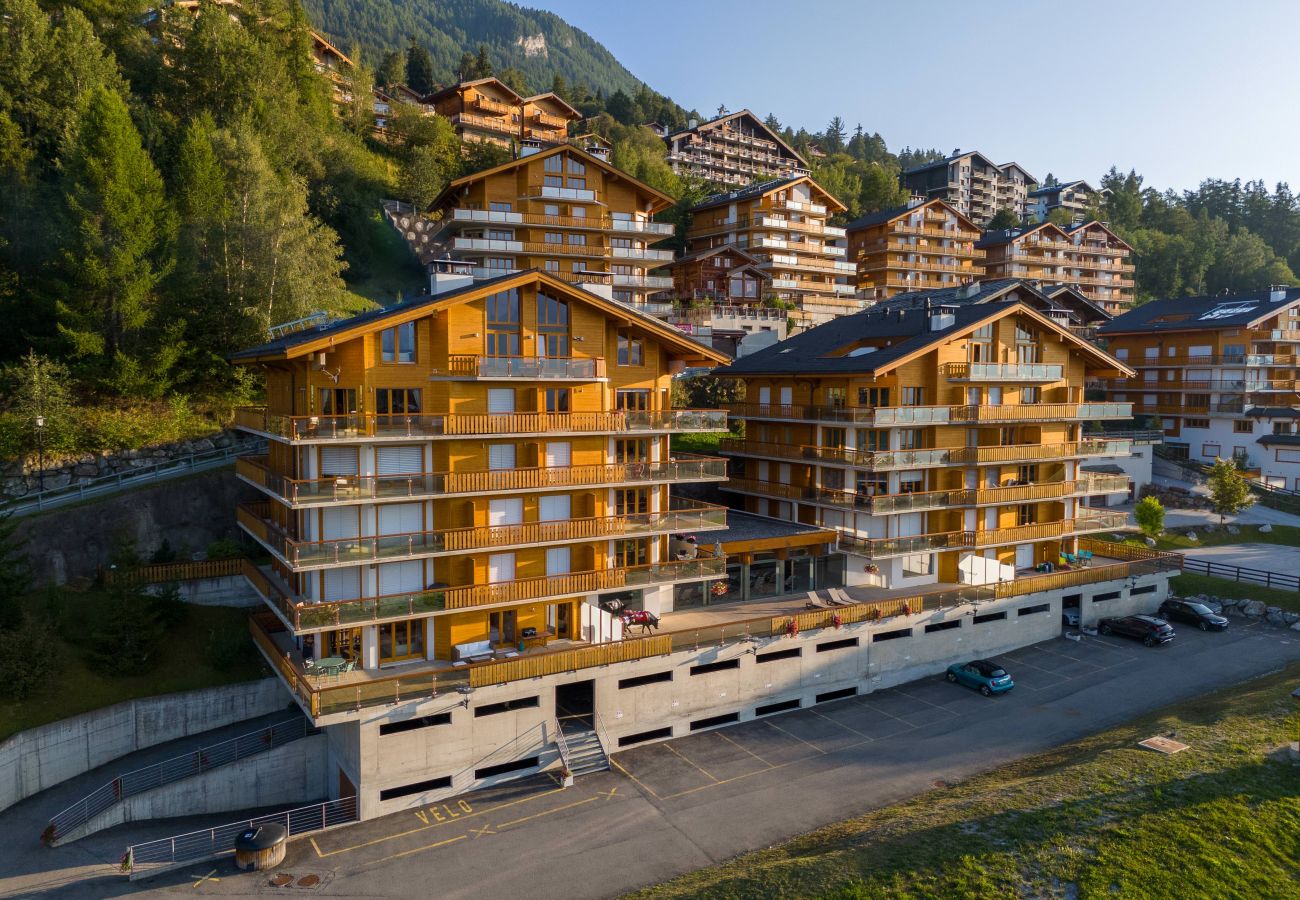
point(563, 746)
point(170, 770)
point(107, 484)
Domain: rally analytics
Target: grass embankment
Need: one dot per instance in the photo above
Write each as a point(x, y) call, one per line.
point(1190, 584)
point(210, 646)
point(1099, 817)
point(704, 444)
point(1288, 535)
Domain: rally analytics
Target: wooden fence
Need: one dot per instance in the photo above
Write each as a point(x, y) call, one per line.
point(185, 570)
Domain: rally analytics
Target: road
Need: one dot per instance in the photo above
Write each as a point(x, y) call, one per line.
point(669, 808)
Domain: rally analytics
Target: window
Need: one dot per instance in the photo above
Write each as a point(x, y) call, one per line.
point(1196, 423)
point(503, 768)
point(873, 396)
point(503, 337)
point(634, 400)
point(1243, 426)
point(656, 678)
point(990, 617)
point(1031, 395)
point(631, 500)
point(841, 694)
point(1027, 474)
point(579, 183)
point(576, 167)
point(871, 441)
point(916, 564)
point(1102, 598)
point(401, 640)
point(499, 206)
point(841, 644)
point(553, 163)
point(418, 787)
point(911, 438)
point(413, 724)
point(891, 635)
point(629, 553)
point(628, 450)
point(338, 401)
point(706, 668)
point(558, 400)
point(913, 396)
point(397, 401)
point(577, 240)
point(552, 327)
point(504, 706)
point(771, 708)
point(553, 237)
point(552, 265)
point(631, 350)
point(551, 209)
point(942, 626)
point(1211, 451)
point(1026, 514)
point(642, 736)
point(397, 345)
point(1031, 610)
point(833, 437)
point(836, 397)
point(712, 721)
point(552, 181)
point(775, 655)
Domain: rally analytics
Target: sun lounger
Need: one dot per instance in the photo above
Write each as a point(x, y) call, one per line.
point(816, 602)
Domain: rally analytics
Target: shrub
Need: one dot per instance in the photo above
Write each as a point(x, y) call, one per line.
point(164, 553)
point(128, 631)
point(224, 548)
point(29, 655)
point(1150, 516)
point(169, 607)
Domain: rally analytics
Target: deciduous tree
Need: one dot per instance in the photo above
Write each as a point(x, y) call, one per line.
point(1229, 492)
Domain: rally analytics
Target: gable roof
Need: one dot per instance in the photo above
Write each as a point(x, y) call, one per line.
point(1006, 236)
point(1203, 313)
point(762, 188)
point(772, 135)
point(461, 85)
point(907, 333)
point(973, 293)
point(744, 254)
point(898, 212)
point(947, 160)
point(1093, 223)
point(1016, 165)
point(555, 98)
point(664, 201)
point(307, 341)
point(1062, 186)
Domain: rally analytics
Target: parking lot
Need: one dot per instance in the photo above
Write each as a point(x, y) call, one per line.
point(688, 765)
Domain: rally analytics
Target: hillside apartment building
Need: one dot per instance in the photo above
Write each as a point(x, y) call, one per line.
point(561, 210)
point(1089, 257)
point(1076, 197)
point(923, 246)
point(1220, 374)
point(781, 225)
point(487, 110)
point(972, 184)
point(733, 149)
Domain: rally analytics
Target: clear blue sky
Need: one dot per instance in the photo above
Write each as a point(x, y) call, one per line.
point(1179, 89)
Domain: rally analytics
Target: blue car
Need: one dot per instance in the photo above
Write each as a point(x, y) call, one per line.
point(984, 675)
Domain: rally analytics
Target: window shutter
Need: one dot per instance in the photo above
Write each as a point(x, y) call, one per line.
point(338, 461)
point(406, 460)
point(338, 523)
point(506, 511)
point(554, 508)
point(501, 400)
point(559, 453)
point(501, 456)
point(342, 584)
point(401, 518)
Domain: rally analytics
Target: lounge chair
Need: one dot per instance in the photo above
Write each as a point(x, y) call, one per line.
point(816, 602)
point(840, 598)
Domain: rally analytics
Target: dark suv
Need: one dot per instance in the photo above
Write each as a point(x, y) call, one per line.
point(1148, 629)
point(1194, 613)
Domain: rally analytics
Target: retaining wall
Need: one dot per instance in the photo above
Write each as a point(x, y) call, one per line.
point(38, 758)
point(230, 590)
point(288, 776)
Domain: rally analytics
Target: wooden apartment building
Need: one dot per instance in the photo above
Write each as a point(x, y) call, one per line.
point(1088, 256)
point(920, 247)
point(487, 110)
point(733, 149)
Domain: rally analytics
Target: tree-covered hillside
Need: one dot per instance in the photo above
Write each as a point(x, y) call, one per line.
point(538, 44)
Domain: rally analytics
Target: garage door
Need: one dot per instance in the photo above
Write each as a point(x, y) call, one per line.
point(407, 460)
point(338, 461)
point(405, 577)
point(506, 511)
point(339, 522)
point(342, 584)
point(559, 453)
point(401, 518)
point(554, 508)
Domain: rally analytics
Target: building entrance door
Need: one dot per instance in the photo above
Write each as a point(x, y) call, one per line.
point(575, 703)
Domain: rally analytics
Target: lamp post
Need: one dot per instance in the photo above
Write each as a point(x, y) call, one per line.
point(40, 451)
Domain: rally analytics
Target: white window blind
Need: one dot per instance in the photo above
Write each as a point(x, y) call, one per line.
point(405, 460)
point(338, 461)
point(501, 400)
point(401, 518)
point(554, 508)
point(559, 453)
point(501, 456)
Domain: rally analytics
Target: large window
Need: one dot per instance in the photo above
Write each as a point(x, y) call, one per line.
point(397, 345)
point(632, 400)
point(558, 400)
point(397, 401)
point(631, 349)
point(631, 553)
point(401, 640)
point(628, 501)
point(503, 324)
point(338, 401)
point(552, 327)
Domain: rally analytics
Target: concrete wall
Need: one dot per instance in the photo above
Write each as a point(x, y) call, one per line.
point(287, 776)
point(232, 590)
point(189, 512)
point(38, 758)
point(455, 749)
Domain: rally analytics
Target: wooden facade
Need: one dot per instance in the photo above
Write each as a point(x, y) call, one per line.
point(922, 247)
point(1088, 256)
point(733, 149)
point(487, 110)
point(470, 467)
point(782, 225)
point(963, 453)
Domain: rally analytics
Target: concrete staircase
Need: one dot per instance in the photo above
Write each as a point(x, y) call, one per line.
point(582, 751)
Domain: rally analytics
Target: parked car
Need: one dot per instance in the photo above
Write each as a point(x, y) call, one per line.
point(1070, 616)
point(984, 675)
point(1198, 614)
point(1148, 629)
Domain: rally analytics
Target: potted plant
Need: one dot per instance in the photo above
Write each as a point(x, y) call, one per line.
point(566, 777)
point(718, 589)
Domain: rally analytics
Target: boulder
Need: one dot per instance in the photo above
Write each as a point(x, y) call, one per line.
point(1253, 608)
point(1290, 618)
point(1276, 618)
point(1192, 536)
point(57, 480)
point(1266, 529)
point(202, 444)
point(1233, 529)
point(1296, 627)
point(86, 470)
point(1150, 542)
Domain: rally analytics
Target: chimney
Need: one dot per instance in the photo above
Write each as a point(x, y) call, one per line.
point(942, 317)
point(529, 146)
point(692, 124)
point(1277, 293)
point(598, 151)
point(968, 290)
point(449, 275)
point(599, 283)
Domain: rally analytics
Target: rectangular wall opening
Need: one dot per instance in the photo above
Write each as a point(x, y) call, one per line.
point(715, 720)
point(837, 645)
point(706, 668)
point(419, 787)
point(642, 736)
point(837, 695)
point(990, 617)
point(502, 768)
point(504, 706)
point(413, 724)
point(891, 635)
point(942, 626)
point(656, 678)
point(1036, 608)
point(792, 653)
point(783, 706)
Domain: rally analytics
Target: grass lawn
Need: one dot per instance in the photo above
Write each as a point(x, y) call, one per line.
point(186, 661)
point(1225, 588)
point(1099, 817)
point(1281, 534)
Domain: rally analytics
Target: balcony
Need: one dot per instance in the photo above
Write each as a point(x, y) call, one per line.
point(487, 104)
point(485, 122)
point(976, 371)
point(886, 416)
point(657, 282)
point(881, 548)
point(554, 192)
point(549, 121)
point(589, 223)
point(887, 460)
point(640, 253)
point(299, 492)
point(682, 516)
point(664, 229)
point(306, 616)
point(366, 426)
point(532, 368)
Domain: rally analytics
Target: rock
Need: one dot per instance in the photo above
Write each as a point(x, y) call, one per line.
point(1266, 529)
point(1191, 536)
point(203, 444)
point(1253, 608)
point(1296, 627)
point(222, 440)
point(1233, 529)
point(1276, 619)
point(1150, 542)
point(56, 481)
point(86, 470)
point(1290, 618)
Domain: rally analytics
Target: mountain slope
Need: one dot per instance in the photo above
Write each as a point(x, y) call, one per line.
point(539, 44)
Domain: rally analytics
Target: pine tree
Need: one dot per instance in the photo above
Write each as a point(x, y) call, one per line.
point(482, 63)
point(465, 69)
point(560, 87)
point(392, 69)
point(118, 248)
point(15, 572)
point(419, 69)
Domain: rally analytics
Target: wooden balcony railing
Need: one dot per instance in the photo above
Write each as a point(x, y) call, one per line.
point(533, 368)
point(304, 616)
point(683, 516)
point(355, 426)
point(681, 468)
point(880, 548)
point(885, 416)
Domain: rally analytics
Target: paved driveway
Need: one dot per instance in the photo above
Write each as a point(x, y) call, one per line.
point(672, 807)
point(1269, 557)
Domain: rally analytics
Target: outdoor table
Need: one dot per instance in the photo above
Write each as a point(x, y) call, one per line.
point(330, 664)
